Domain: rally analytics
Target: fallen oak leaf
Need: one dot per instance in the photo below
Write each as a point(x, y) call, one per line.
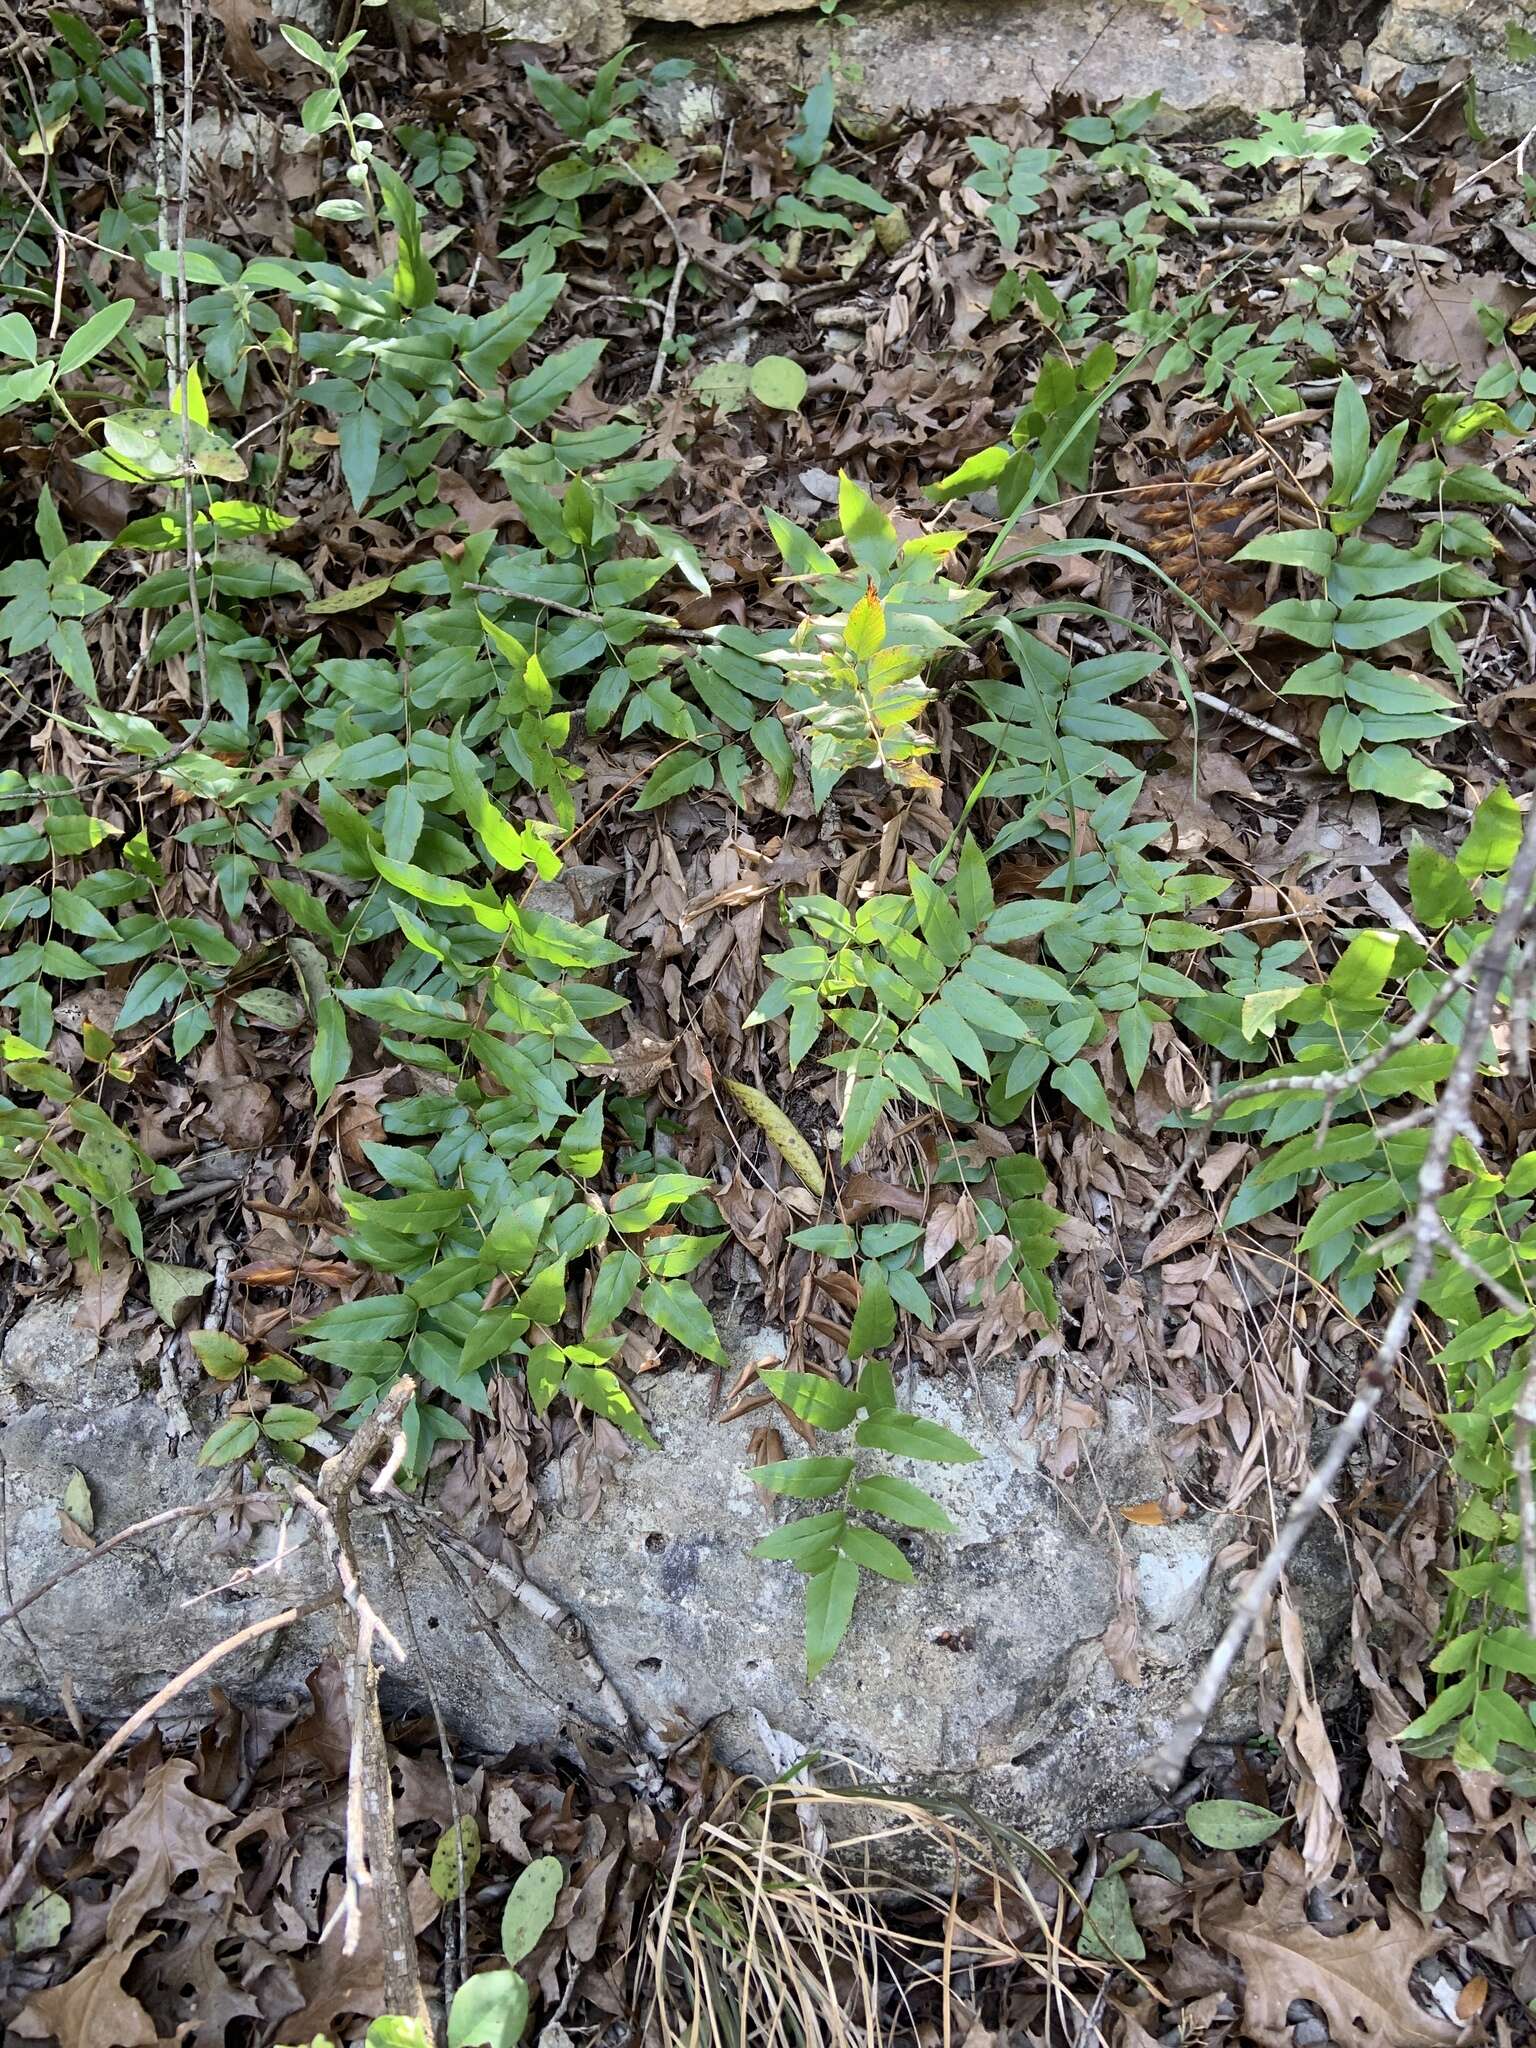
point(1437, 322)
point(185, 1982)
point(1359, 1980)
point(92, 2005)
point(334, 1984)
point(167, 1831)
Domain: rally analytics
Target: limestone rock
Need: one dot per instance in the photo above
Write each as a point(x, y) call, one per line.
point(49, 1357)
point(918, 56)
point(720, 13)
point(929, 54)
point(921, 55)
point(589, 28)
point(1417, 37)
point(122, 1627)
point(580, 891)
point(986, 1679)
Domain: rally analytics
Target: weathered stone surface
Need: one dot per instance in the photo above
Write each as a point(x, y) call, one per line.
point(1417, 37)
point(591, 28)
point(580, 891)
point(49, 1358)
point(923, 55)
point(920, 55)
point(986, 1679)
point(121, 1628)
point(720, 13)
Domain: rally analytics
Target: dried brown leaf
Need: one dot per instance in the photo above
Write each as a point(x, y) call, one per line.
point(167, 1833)
point(91, 2007)
point(1358, 1980)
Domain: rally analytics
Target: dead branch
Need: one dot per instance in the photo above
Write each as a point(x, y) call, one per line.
point(373, 1869)
point(373, 1848)
point(669, 316)
point(108, 1543)
point(1250, 719)
point(1524, 1423)
point(1333, 1085)
point(1492, 958)
point(172, 1400)
point(566, 1626)
point(60, 1804)
point(178, 1422)
point(455, 1962)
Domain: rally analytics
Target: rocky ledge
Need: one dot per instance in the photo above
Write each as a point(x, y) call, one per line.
point(1211, 63)
point(987, 1680)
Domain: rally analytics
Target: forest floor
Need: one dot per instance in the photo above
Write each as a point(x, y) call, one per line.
point(911, 952)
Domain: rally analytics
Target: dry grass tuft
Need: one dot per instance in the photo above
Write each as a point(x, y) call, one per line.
point(781, 1926)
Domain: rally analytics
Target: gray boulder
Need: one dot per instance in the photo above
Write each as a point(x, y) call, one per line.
point(986, 1680)
point(919, 56)
point(1417, 38)
point(916, 56)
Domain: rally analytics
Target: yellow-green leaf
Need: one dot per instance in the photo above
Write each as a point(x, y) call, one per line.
point(77, 1502)
point(456, 1846)
point(781, 1134)
point(351, 599)
point(864, 634)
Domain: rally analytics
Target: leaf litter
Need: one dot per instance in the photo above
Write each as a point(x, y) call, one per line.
point(1392, 1895)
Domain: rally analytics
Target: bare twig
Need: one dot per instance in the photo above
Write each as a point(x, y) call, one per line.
point(270, 1567)
point(1460, 1256)
point(1194, 1152)
point(158, 139)
point(566, 1626)
point(340, 1474)
point(1341, 1080)
point(178, 1422)
point(455, 1962)
point(59, 1805)
point(674, 290)
point(1524, 1423)
point(1251, 720)
point(218, 1299)
point(1518, 153)
point(373, 1867)
point(1167, 1766)
point(89, 1557)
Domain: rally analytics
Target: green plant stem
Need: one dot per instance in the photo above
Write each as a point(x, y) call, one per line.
point(1044, 471)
